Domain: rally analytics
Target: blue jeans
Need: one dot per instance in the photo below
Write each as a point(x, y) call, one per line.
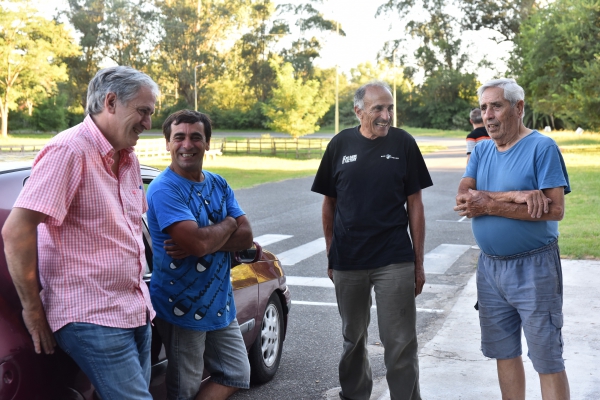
point(116, 360)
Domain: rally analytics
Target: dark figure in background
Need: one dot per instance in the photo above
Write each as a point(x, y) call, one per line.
point(367, 175)
point(478, 134)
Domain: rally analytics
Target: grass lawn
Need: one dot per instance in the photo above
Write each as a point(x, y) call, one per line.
point(247, 171)
point(580, 229)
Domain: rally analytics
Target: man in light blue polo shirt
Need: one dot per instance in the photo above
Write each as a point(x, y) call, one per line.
point(514, 189)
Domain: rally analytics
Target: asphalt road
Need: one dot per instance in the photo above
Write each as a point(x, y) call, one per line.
point(308, 368)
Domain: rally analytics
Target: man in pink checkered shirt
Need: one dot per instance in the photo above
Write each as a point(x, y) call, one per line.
point(78, 222)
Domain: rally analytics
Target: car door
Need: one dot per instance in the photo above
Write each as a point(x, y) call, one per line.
point(245, 291)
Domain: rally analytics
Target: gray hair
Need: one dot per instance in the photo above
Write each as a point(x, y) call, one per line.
point(125, 82)
point(359, 95)
point(475, 116)
point(512, 92)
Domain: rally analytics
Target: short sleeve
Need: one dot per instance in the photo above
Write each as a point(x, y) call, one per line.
point(471, 171)
point(418, 177)
point(233, 208)
point(324, 182)
point(53, 183)
point(552, 171)
point(169, 206)
point(470, 145)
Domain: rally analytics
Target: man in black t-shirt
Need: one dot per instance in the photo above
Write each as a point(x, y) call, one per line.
point(367, 175)
point(478, 133)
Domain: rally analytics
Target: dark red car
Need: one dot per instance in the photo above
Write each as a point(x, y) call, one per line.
point(262, 300)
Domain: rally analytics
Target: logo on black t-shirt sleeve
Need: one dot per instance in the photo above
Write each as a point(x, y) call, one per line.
point(347, 159)
point(389, 156)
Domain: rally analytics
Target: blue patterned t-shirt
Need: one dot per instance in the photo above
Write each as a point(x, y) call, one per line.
point(194, 293)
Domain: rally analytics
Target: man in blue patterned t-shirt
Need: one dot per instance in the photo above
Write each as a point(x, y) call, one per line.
point(514, 189)
point(193, 296)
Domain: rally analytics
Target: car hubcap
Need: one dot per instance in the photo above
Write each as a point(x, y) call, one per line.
point(270, 335)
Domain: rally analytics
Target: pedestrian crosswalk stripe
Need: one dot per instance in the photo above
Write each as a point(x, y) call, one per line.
point(327, 283)
point(295, 255)
point(270, 238)
point(438, 260)
point(309, 281)
point(320, 303)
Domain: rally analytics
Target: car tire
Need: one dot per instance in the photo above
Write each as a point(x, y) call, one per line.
point(265, 352)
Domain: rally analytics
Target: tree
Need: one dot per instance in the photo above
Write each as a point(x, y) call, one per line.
point(128, 32)
point(502, 16)
point(30, 51)
point(194, 33)
point(86, 17)
point(560, 61)
point(296, 106)
point(438, 33)
point(445, 99)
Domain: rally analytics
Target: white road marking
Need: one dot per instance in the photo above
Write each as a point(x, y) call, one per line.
point(308, 281)
point(326, 283)
point(295, 255)
point(320, 303)
point(270, 238)
point(385, 396)
point(438, 260)
point(314, 303)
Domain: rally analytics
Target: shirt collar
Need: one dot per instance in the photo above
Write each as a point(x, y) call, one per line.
point(104, 147)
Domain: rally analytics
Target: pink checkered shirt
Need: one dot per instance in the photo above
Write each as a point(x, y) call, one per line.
point(90, 246)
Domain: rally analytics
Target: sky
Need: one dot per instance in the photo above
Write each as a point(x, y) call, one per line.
point(366, 36)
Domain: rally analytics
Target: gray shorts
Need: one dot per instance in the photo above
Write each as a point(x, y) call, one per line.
point(522, 291)
point(222, 351)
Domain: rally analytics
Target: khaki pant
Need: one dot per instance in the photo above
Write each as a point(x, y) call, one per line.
point(396, 314)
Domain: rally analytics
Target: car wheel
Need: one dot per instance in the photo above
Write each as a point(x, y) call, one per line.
point(265, 352)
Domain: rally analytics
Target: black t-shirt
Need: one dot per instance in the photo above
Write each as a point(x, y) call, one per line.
point(371, 180)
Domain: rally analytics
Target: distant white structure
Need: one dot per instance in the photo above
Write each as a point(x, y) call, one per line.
point(547, 129)
point(579, 131)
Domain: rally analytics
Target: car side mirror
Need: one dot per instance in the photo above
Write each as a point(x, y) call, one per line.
point(249, 256)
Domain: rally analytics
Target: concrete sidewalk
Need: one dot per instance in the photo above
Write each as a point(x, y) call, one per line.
point(452, 366)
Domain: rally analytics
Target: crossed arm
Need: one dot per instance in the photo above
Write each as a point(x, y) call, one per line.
point(231, 234)
point(526, 205)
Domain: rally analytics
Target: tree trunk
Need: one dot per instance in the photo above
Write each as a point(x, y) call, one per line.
point(4, 116)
